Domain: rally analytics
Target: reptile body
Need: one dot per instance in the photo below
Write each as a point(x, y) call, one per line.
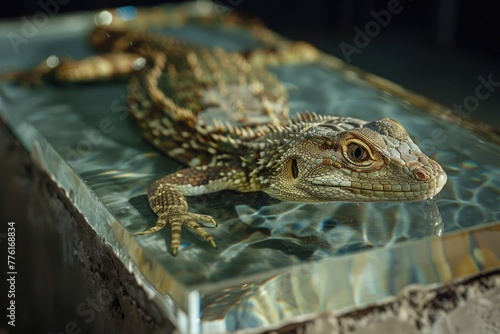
point(225, 117)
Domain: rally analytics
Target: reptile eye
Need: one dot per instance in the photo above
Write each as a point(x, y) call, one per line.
point(295, 169)
point(357, 152)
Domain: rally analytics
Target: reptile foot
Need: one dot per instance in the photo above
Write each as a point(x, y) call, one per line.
point(176, 221)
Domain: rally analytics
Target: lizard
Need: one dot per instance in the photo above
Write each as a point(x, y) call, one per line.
point(225, 116)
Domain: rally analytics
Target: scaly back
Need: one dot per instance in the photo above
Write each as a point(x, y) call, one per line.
point(194, 103)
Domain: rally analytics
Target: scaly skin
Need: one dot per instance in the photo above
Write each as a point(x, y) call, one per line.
point(183, 92)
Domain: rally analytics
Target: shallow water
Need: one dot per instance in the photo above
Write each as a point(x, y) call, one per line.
point(89, 127)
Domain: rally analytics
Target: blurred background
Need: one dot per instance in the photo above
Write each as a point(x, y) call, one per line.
point(442, 49)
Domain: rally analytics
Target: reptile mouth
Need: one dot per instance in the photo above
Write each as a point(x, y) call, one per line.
point(426, 190)
point(417, 191)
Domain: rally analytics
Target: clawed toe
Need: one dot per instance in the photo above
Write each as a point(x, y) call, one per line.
point(160, 223)
point(176, 222)
point(204, 218)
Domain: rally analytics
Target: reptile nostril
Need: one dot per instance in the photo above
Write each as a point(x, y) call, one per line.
point(420, 174)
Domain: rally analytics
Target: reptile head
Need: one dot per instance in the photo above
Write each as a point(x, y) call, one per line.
point(374, 161)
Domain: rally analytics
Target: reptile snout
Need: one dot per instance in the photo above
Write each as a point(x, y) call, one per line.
point(441, 179)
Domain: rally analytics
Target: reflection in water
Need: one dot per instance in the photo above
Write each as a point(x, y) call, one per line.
point(340, 228)
point(313, 232)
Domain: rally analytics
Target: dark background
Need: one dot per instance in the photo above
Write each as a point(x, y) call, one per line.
point(436, 48)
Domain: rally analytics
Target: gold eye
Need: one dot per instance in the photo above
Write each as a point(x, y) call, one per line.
point(356, 152)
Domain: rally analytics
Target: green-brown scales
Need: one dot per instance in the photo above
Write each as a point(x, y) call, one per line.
point(223, 115)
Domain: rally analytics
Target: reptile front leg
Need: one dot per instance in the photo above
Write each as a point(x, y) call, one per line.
point(166, 198)
point(171, 207)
